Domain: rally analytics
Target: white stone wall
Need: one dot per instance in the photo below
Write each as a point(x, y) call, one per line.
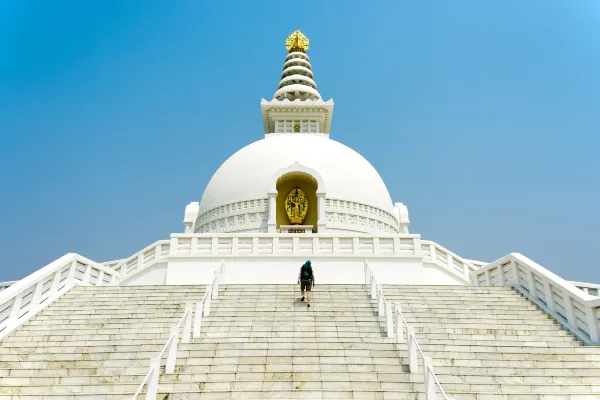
point(252, 216)
point(275, 258)
point(248, 216)
point(350, 216)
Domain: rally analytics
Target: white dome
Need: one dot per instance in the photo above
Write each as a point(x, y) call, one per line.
point(250, 173)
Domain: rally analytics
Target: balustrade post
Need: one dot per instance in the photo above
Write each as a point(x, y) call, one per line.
point(531, 283)
point(87, 274)
point(173, 244)
point(222, 272)
point(55, 283)
point(390, 319)
point(373, 288)
point(399, 325)
point(122, 272)
point(592, 322)
point(501, 274)
point(158, 252)
point(100, 280)
point(207, 301)
point(376, 249)
point(417, 248)
point(428, 378)
point(71, 276)
point(549, 295)
point(380, 305)
point(413, 365)
point(215, 289)
point(15, 313)
point(152, 385)
point(35, 300)
point(172, 356)
point(198, 319)
point(515, 269)
point(568, 304)
point(187, 324)
point(140, 260)
point(432, 254)
point(466, 272)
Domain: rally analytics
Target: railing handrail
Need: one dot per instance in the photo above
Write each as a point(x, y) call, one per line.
point(575, 309)
point(185, 322)
point(134, 256)
point(145, 381)
point(46, 271)
point(183, 318)
point(25, 298)
point(439, 385)
point(166, 346)
point(385, 308)
point(570, 287)
point(451, 253)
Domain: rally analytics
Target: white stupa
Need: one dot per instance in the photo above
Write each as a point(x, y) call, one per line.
point(213, 311)
point(346, 192)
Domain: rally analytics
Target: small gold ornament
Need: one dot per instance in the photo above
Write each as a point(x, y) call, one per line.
point(296, 206)
point(297, 128)
point(297, 42)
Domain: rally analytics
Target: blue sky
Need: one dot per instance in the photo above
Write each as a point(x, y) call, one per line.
point(483, 117)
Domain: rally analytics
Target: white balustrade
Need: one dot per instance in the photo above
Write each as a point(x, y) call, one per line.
point(189, 329)
point(575, 309)
point(151, 255)
point(292, 245)
point(25, 298)
point(444, 258)
point(326, 244)
point(400, 327)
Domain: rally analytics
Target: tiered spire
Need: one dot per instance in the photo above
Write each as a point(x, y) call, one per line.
point(297, 106)
point(297, 80)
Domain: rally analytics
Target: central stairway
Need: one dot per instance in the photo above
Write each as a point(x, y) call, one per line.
point(261, 342)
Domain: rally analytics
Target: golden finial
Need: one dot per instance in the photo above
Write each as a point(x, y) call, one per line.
point(296, 42)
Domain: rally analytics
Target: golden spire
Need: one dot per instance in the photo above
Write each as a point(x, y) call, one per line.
point(296, 42)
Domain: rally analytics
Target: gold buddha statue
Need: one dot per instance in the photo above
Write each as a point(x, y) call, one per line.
point(296, 206)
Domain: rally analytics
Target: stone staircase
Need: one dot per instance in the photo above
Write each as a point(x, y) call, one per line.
point(496, 343)
point(261, 342)
point(93, 343)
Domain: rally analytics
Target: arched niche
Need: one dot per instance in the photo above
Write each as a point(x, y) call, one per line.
point(309, 185)
point(311, 182)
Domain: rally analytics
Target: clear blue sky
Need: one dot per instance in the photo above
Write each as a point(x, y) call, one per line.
point(483, 117)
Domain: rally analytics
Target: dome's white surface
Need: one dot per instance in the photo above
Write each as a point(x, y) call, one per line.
point(249, 173)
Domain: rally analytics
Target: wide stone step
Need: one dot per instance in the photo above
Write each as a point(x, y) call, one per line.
point(509, 349)
point(492, 324)
point(366, 395)
point(466, 310)
point(302, 394)
point(289, 385)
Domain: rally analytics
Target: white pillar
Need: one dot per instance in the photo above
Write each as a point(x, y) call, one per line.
point(272, 222)
point(322, 219)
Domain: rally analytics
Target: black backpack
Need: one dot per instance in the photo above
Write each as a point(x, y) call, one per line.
point(306, 272)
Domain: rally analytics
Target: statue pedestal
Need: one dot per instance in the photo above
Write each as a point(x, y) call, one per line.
point(307, 229)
